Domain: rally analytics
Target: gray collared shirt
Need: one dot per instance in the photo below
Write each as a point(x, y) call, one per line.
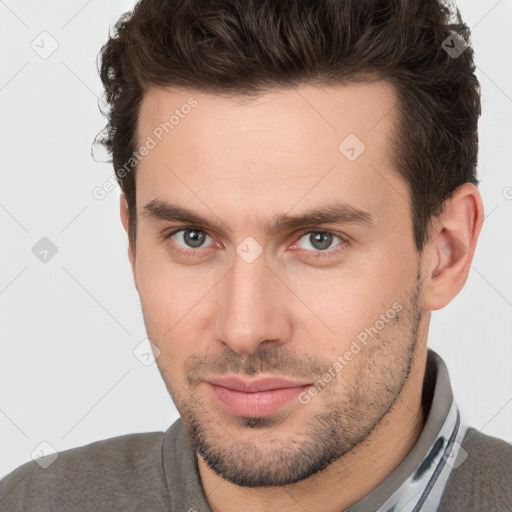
point(417, 484)
point(158, 471)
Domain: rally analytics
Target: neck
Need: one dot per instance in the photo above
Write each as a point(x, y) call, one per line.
point(352, 476)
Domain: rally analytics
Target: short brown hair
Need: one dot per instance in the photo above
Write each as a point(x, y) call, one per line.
point(241, 48)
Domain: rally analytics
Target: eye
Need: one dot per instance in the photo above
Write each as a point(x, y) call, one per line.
point(190, 241)
point(189, 238)
point(319, 241)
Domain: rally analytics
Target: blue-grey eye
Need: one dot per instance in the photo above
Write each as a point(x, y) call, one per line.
point(189, 238)
point(318, 240)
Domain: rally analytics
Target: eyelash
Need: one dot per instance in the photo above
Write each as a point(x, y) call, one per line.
point(315, 254)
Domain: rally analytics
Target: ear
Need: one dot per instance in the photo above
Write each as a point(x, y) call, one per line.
point(449, 253)
point(125, 219)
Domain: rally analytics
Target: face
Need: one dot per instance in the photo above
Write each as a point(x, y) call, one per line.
point(277, 272)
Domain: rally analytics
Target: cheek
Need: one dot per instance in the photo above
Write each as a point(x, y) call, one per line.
point(358, 301)
point(167, 290)
point(348, 299)
point(173, 302)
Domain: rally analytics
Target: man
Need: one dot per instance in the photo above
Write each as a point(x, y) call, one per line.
point(299, 193)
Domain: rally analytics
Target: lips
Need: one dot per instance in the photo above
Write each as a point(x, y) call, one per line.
point(257, 398)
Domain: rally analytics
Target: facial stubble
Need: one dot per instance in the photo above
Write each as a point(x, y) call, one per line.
point(346, 419)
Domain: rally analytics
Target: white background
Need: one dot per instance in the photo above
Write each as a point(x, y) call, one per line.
point(68, 327)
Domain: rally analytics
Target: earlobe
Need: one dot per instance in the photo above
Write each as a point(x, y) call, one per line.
point(451, 249)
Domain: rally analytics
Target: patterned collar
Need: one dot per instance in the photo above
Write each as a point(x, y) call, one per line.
point(417, 484)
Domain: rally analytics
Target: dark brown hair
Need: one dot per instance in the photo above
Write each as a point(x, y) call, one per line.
point(242, 48)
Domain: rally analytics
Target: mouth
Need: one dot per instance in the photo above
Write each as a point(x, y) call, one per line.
point(257, 398)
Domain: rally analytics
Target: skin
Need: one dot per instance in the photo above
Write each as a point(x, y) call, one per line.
point(288, 313)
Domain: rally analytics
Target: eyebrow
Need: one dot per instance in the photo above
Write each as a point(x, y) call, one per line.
point(336, 213)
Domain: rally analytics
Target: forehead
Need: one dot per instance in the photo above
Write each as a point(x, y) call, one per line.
point(366, 109)
point(283, 148)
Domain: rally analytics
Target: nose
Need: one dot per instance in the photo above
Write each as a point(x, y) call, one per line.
point(252, 308)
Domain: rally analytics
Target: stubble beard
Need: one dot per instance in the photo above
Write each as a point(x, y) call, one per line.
point(276, 459)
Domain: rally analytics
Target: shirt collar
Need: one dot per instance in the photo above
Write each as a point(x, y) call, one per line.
point(418, 482)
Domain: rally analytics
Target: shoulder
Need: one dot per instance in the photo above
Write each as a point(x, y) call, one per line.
point(102, 475)
point(483, 481)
